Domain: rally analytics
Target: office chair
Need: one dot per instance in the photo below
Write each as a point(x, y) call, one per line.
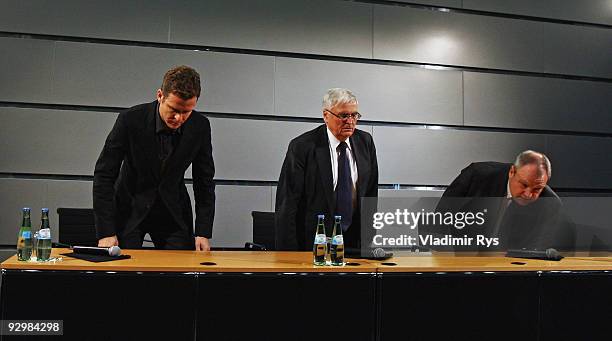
point(76, 226)
point(263, 231)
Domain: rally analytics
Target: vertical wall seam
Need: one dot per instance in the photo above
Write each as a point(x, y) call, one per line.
point(169, 27)
point(462, 98)
point(372, 29)
point(52, 80)
point(274, 107)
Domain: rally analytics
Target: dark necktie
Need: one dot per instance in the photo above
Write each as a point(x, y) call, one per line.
point(344, 188)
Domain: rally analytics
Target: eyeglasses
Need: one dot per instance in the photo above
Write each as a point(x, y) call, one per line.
point(345, 116)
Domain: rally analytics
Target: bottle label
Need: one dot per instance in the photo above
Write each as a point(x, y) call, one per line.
point(338, 240)
point(26, 234)
point(44, 234)
point(320, 239)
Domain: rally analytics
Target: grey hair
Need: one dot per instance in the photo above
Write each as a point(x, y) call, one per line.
point(338, 96)
point(530, 157)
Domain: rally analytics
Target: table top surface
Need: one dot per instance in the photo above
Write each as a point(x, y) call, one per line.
point(492, 262)
point(190, 261)
point(278, 261)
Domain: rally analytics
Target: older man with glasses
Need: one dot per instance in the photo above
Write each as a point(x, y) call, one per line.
point(326, 171)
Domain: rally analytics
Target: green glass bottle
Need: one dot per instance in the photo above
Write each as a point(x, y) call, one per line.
point(319, 249)
point(24, 239)
point(337, 243)
point(43, 244)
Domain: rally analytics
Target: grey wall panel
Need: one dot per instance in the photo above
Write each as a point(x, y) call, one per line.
point(537, 103)
point(69, 142)
point(472, 40)
point(580, 162)
point(142, 20)
point(233, 224)
point(385, 93)
point(453, 38)
point(108, 75)
point(52, 141)
point(72, 194)
point(435, 157)
point(594, 11)
point(577, 49)
point(17, 193)
point(307, 26)
point(26, 70)
point(273, 198)
point(252, 149)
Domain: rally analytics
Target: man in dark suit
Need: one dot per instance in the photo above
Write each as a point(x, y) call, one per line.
point(521, 209)
point(326, 171)
point(139, 182)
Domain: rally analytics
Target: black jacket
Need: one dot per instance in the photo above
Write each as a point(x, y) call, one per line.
point(483, 185)
point(128, 176)
point(305, 187)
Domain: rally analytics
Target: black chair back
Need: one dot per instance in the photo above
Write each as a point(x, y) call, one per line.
point(263, 229)
point(76, 226)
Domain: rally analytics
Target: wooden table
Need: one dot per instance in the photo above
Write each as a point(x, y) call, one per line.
point(282, 296)
point(239, 295)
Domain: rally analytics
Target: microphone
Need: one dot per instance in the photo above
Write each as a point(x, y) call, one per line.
point(113, 251)
point(255, 247)
point(380, 253)
point(549, 254)
point(373, 254)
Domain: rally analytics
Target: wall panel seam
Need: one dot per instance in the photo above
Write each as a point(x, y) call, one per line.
point(258, 183)
point(451, 9)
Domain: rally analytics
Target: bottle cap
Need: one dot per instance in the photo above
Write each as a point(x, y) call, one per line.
point(321, 216)
point(25, 209)
point(45, 210)
point(338, 217)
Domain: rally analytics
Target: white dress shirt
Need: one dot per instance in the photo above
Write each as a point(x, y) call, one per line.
point(508, 194)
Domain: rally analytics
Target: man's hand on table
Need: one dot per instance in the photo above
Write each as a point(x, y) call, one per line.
point(108, 241)
point(202, 244)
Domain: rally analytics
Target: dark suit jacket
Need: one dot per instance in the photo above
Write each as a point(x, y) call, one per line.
point(485, 179)
point(539, 225)
point(305, 187)
point(128, 176)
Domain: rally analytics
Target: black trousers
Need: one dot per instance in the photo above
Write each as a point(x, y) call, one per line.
point(165, 232)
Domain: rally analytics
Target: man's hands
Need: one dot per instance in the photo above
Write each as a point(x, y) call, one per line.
point(108, 241)
point(202, 244)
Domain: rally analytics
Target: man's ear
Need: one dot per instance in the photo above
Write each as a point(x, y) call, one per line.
point(512, 171)
point(159, 95)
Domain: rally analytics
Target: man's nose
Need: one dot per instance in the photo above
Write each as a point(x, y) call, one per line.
point(527, 194)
